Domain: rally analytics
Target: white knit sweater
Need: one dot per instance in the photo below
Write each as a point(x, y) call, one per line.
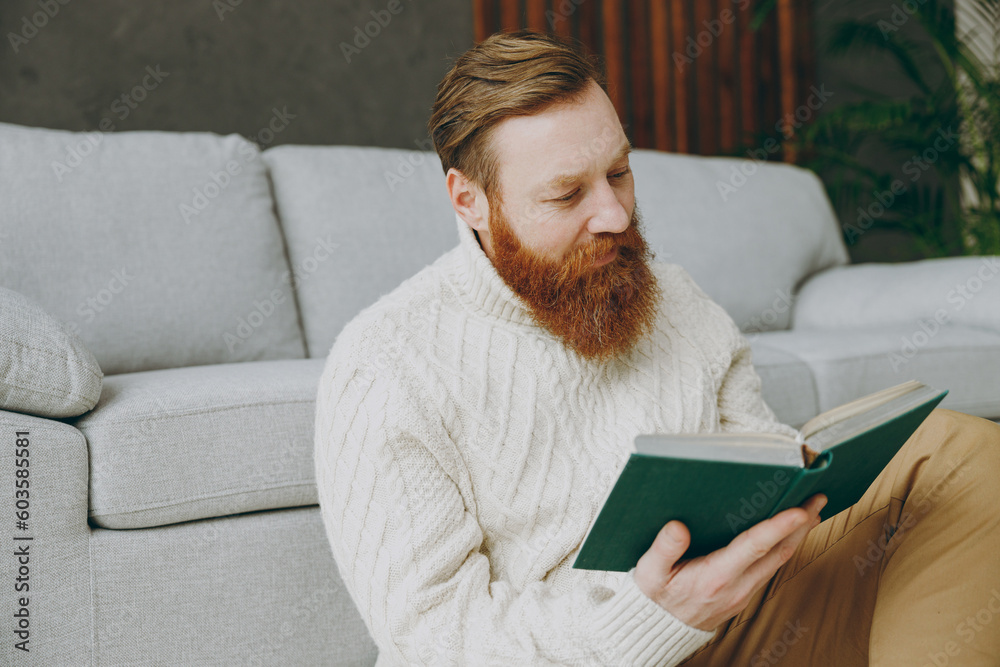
point(462, 453)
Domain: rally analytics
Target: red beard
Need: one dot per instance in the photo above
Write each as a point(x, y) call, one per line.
point(599, 312)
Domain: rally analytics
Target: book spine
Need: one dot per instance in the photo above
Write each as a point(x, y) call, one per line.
point(802, 486)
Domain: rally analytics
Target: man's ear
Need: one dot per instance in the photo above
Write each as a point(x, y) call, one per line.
point(468, 200)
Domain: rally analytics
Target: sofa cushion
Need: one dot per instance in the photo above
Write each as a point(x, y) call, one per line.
point(787, 382)
point(358, 221)
point(45, 370)
point(159, 249)
point(384, 214)
point(748, 245)
point(850, 363)
point(191, 443)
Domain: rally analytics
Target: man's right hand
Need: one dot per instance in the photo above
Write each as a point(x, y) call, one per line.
point(705, 592)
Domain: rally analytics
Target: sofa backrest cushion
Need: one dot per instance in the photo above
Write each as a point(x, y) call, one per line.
point(360, 220)
point(748, 232)
point(158, 249)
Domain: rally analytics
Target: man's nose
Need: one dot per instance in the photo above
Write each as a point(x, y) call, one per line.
point(608, 213)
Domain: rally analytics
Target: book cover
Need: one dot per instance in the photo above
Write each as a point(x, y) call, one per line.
point(718, 499)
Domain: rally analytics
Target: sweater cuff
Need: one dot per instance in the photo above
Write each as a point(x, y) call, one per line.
point(634, 630)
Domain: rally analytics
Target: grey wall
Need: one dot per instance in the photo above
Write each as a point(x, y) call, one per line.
point(225, 66)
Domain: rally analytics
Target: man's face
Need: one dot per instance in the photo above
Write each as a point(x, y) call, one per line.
point(564, 232)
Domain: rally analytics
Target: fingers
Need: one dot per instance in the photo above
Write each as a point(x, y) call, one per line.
point(770, 538)
point(766, 567)
point(654, 568)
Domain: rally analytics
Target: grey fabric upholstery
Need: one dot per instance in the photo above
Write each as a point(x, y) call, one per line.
point(358, 221)
point(963, 291)
point(256, 589)
point(106, 245)
point(849, 363)
point(191, 443)
point(59, 608)
point(45, 370)
point(749, 249)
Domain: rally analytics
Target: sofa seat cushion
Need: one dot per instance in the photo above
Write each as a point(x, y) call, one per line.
point(191, 443)
point(787, 382)
point(850, 363)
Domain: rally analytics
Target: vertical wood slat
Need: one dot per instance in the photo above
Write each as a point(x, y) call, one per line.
point(510, 15)
point(749, 116)
point(682, 78)
point(726, 77)
point(614, 54)
point(786, 71)
point(704, 79)
point(536, 15)
point(483, 18)
point(660, 57)
point(638, 49)
point(732, 93)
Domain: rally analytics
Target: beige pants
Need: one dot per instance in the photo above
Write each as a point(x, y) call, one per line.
point(910, 575)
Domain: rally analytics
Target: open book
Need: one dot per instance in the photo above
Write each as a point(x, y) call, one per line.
point(720, 484)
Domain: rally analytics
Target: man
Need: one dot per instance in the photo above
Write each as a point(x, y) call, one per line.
point(470, 423)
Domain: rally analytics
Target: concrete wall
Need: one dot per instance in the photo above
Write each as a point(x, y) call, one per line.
point(225, 67)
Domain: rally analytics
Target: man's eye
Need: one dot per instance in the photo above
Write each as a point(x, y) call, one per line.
point(621, 174)
point(568, 197)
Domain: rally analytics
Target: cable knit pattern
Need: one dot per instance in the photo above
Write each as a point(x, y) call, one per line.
point(462, 453)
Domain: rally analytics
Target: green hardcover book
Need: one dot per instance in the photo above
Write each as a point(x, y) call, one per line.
point(719, 485)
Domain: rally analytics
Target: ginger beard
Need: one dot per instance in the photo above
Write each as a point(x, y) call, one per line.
point(601, 312)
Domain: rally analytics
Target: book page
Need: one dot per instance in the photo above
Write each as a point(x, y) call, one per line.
point(764, 448)
point(856, 407)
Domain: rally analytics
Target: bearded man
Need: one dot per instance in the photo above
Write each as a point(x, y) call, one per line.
point(470, 423)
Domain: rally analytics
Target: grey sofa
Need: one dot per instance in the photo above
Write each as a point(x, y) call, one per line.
point(172, 504)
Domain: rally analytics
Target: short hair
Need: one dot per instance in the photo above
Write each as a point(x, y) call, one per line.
point(508, 74)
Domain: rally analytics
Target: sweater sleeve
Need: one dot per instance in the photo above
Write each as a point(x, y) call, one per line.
point(402, 525)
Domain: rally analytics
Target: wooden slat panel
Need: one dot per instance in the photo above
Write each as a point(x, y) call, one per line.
point(483, 21)
point(767, 78)
point(748, 68)
point(510, 15)
point(638, 49)
point(562, 18)
point(679, 18)
point(614, 52)
point(661, 63)
point(726, 80)
point(536, 15)
point(705, 82)
point(786, 68)
point(590, 28)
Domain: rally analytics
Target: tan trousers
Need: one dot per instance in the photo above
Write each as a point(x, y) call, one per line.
point(910, 575)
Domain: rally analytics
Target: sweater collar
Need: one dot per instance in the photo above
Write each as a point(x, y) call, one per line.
point(479, 280)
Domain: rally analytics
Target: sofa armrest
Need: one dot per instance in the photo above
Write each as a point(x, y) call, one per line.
point(52, 573)
point(955, 290)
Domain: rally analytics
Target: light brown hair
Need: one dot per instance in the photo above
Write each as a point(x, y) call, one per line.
point(508, 74)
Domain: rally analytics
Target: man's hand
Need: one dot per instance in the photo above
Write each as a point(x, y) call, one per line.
point(705, 592)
